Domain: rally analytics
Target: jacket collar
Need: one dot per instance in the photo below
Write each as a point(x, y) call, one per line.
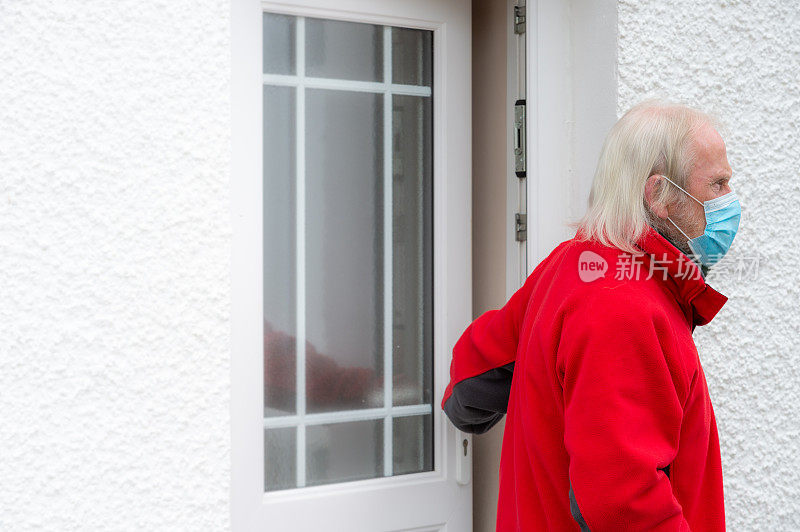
point(699, 301)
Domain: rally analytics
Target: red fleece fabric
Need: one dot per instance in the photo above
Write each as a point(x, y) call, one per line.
point(607, 388)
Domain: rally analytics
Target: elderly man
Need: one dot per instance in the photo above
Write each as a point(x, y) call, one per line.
point(610, 425)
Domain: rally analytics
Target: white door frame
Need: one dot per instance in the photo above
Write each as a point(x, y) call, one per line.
point(432, 500)
point(516, 196)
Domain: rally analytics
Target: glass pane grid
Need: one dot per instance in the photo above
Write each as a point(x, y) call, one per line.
point(309, 430)
point(343, 416)
point(388, 426)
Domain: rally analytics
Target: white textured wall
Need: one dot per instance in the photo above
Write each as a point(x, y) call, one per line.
point(742, 59)
point(114, 252)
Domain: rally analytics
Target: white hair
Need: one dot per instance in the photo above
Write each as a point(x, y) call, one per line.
point(653, 137)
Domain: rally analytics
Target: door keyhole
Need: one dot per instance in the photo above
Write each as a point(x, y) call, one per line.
point(465, 446)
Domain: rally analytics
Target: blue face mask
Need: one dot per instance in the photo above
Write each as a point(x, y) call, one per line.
point(722, 222)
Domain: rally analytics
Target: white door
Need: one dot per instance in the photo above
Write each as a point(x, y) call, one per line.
point(549, 61)
point(571, 72)
point(351, 263)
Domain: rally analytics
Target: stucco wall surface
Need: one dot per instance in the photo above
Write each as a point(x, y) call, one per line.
point(741, 59)
point(114, 252)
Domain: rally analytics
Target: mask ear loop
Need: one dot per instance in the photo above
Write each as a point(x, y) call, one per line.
point(670, 219)
point(679, 229)
point(680, 187)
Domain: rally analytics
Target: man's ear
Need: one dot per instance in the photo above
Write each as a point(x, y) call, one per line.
point(651, 188)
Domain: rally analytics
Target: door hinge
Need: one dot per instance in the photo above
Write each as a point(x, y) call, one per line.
point(521, 227)
point(519, 19)
point(520, 160)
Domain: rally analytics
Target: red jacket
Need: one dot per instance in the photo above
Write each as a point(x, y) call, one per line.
point(609, 421)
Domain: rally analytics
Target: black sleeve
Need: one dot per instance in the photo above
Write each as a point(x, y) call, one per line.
point(478, 403)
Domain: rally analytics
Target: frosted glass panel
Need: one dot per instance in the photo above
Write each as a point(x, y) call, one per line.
point(412, 56)
point(279, 43)
point(280, 239)
point(348, 253)
point(412, 442)
point(280, 470)
point(344, 50)
point(344, 248)
point(412, 250)
point(344, 451)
